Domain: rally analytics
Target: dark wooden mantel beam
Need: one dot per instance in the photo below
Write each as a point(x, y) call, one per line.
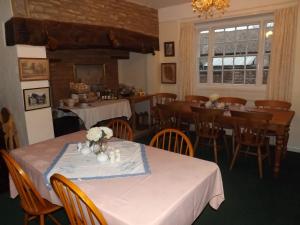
point(63, 35)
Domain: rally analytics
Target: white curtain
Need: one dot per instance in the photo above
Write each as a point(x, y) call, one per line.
point(187, 59)
point(281, 72)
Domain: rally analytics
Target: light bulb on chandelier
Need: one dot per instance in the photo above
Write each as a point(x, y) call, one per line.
point(208, 7)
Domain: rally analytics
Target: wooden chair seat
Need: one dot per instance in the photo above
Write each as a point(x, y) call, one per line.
point(173, 140)
point(251, 130)
point(121, 129)
point(159, 98)
point(31, 201)
point(273, 104)
point(207, 126)
point(79, 207)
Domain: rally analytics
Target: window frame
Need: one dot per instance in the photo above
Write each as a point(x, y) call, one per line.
point(262, 20)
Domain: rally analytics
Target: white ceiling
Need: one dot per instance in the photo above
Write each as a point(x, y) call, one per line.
point(159, 3)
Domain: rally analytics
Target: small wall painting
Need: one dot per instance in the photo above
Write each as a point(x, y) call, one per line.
point(168, 73)
point(169, 49)
point(36, 98)
point(33, 69)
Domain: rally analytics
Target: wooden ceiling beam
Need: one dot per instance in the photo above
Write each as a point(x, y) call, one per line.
point(57, 35)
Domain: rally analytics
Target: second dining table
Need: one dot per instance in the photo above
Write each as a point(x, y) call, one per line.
point(102, 110)
point(174, 191)
point(279, 125)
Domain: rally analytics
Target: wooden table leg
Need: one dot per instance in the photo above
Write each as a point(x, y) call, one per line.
point(278, 153)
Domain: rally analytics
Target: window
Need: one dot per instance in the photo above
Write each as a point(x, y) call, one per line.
point(235, 53)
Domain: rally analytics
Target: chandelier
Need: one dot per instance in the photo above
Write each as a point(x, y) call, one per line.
point(208, 7)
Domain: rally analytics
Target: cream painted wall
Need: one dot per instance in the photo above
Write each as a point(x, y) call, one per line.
point(39, 125)
point(294, 143)
point(132, 71)
point(10, 86)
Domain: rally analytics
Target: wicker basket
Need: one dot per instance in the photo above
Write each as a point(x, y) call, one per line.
point(79, 88)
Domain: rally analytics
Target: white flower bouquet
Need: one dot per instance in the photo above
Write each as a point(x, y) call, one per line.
point(214, 97)
point(96, 135)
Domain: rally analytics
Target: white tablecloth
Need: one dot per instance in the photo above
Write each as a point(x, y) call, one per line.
point(176, 191)
point(74, 165)
point(103, 110)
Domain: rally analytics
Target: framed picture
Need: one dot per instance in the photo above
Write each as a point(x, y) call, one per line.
point(169, 49)
point(168, 73)
point(36, 98)
point(33, 69)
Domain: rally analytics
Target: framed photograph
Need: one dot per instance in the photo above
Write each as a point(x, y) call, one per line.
point(33, 69)
point(168, 73)
point(169, 48)
point(36, 98)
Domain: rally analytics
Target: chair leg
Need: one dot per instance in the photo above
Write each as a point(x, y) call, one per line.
point(42, 220)
point(53, 219)
point(26, 218)
point(226, 145)
point(259, 160)
point(196, 143)
point(234, 156)
point(215, 150)
point(233, 142)
point(268, 153)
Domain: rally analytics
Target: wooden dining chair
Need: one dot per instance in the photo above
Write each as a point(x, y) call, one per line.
point(121, 129)
point(173, 140)
point(276, 105)
point(208, 126)
point(79, 207)
point(232, 101)
point(251, 131)
point(159, 98)
point(31, 201)
point(10, 132)
point(273, 104)
point(196, 98)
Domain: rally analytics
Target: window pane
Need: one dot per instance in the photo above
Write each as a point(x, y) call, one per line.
point(253, 34)
point(239, 62)
point(219, 49)
point(238, 77)
point(241, 34)
point(229, 49)
point(230, 34)
point(241, 48)
point(203, 77)
point(217, 63)
point(250, 77)
point(265, 76)
point(228, 63)
point(217, 76)
point(219, 35)
point(227, 78)
point(268, 44)
point(204, 50)
point(204, 37)
point(252, 47)
point(203, 63)
point(251, 62)
point(267, 61)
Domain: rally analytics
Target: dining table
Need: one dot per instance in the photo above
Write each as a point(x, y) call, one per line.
point(279, 125)
point(174, 189)
point(100, 110)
